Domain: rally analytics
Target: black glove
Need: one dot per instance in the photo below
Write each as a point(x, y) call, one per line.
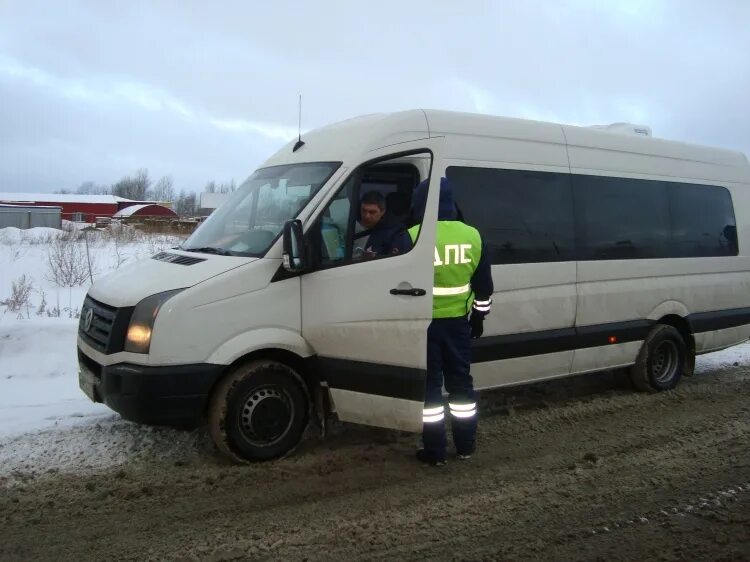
point(476, 321)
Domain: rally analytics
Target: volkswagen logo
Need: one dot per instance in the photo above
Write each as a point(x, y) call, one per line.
point(88, 317)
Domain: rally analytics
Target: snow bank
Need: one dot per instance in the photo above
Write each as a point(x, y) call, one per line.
point(39, 376)
point(11, 235)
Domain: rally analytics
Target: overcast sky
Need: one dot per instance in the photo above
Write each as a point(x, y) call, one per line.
point(92, 91)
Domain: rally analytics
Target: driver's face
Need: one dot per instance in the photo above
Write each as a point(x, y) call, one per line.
point(371, 214)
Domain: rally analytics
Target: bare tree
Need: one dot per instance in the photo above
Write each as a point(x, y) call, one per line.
point(185, 204)
point(136, 187)
point(67, 264)
point(164, 189)
point(210, 187)
point(90, 188)
point(227, 187)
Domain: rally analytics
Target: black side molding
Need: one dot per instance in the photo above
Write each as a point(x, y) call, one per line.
point(371, 378)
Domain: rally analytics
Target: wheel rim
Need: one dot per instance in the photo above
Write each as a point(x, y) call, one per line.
point(664, 361)
point(266, 415)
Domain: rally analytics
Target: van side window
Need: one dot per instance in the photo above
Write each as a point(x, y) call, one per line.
point(344, 234)
point(625, 218)
point(523, 216)
point(334, 226)
point(703, 222)
point(621, 218)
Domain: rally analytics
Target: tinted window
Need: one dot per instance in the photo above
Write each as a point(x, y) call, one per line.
point(621, 218)
point(702, 221)
point(523, 216)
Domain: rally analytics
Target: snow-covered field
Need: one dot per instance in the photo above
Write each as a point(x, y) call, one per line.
point(41, 406)
point(46, 422)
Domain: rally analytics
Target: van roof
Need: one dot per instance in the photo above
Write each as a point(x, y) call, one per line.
point(359, 135)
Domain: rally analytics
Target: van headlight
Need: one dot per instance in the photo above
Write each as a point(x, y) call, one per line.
point(138, 338)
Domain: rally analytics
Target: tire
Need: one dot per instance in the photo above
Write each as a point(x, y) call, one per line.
point(258, 412)
point(662, 360)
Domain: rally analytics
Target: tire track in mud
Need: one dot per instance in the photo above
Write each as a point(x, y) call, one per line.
point(511, 504)
point(706, 502)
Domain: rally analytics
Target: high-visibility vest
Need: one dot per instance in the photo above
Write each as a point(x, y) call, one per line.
point(458, 248)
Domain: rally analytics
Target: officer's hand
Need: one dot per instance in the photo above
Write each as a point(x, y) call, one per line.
point(477, 325)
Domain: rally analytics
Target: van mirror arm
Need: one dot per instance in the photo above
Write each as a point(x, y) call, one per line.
point(294, 254)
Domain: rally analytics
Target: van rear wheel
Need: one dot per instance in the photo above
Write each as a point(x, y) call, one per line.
point(662, 360)
point(258, 412)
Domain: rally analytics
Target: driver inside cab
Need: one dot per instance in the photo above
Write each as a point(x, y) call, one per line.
point(386, 235)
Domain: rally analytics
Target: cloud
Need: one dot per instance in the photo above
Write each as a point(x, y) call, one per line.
point(199, 90)
point(270, 131)
point(116, 93)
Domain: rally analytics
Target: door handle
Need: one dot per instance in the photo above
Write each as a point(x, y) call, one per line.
point(409, 292)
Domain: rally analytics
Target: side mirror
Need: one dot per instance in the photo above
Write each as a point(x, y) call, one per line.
point(294, 247)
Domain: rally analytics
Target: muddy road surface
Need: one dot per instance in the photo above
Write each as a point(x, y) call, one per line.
point(583, 469)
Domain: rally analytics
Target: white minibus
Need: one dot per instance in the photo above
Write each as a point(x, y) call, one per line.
point(609, 248)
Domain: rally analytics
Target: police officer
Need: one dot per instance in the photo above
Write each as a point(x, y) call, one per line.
point(462, 297)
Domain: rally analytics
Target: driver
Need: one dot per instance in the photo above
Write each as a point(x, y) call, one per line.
point(387, 235)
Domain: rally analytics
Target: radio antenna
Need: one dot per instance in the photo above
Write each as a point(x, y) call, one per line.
point(300, 143)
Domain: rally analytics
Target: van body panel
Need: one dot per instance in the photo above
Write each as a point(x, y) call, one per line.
point(605, 357)
point(353, 139)
point(520, 370)
point(632, 291)
point(133, 282)
point(715, 340)
point(668, 308)
point(260, 339)
point(380, 411)
point(532, 297)
point(223, 309)
point(529, 299)
point(464, 126)
point(596, 151)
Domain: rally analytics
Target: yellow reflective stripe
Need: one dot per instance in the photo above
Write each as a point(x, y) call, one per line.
point(448, 291)
point(433, 419)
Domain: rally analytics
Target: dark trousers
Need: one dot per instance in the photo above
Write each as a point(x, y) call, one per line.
point(449, 361)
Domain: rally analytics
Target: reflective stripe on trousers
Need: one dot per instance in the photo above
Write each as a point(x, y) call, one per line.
point(433, 414)
point(463, 410)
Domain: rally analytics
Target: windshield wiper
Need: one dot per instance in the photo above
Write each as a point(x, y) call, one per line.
point(210, 250)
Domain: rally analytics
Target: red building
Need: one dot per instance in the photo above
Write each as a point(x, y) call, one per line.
point(78, 208)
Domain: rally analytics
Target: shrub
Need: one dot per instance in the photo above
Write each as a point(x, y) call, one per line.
point(19, 297)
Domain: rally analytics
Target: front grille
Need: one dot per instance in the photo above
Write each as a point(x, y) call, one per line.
point(177, 258)
point(103, 327)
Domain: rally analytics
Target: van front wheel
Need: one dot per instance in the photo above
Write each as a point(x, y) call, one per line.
point(258, 412)
point(661, 361)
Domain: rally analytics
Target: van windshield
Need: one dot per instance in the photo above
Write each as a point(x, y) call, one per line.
point(253, 217)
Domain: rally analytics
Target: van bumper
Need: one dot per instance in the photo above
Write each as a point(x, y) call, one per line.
point(174, 395)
